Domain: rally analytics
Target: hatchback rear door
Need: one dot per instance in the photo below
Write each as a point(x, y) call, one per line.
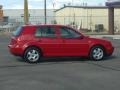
point(48, 40)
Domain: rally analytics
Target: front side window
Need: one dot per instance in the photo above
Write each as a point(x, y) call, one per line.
point(69, 33)
point(45, 32)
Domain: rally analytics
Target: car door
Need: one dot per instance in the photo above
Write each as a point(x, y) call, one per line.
point(73, 43)
point(48, 40)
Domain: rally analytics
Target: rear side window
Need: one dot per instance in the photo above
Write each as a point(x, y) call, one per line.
point(45, 32)
point(17, 32)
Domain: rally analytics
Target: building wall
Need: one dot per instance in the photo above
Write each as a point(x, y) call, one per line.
point(117, 19)
point(86, 17)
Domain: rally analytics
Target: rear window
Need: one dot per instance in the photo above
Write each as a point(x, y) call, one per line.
point(17, 32)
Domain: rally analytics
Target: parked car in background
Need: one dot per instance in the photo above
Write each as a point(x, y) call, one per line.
point(31, 42)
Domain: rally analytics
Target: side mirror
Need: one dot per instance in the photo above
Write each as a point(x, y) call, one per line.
point(81, 37)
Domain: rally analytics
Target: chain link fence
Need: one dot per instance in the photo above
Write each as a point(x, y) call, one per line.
point(12, 23)
point(85, 24)
point(89, 24)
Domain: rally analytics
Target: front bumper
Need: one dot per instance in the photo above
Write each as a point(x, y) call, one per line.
point(110, 51)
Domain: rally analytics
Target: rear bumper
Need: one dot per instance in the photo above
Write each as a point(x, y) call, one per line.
point(15, 50)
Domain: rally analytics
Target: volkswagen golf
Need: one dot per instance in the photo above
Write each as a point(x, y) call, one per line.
point(31, 42)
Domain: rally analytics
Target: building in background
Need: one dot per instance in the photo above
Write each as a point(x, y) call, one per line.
point(87, 18)
point(94, 18)
point(36, 16)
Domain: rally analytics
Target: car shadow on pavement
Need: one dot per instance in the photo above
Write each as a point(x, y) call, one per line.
point(110, 58)
point(58, 59)
point(67, 59)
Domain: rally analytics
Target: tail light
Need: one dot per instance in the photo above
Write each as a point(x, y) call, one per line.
point(13, 40)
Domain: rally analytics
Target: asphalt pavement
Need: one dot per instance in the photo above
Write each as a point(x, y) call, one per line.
point(59, 73)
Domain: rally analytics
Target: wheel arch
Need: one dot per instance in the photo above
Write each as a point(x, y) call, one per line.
point(34, 47)
point(98, 45)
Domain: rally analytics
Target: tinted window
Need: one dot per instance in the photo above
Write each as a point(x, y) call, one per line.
point(17, 32)
point(45, 32)
point(68, 33)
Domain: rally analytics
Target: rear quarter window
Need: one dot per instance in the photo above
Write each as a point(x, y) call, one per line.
point(17, 32)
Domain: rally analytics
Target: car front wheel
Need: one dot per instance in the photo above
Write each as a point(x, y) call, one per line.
point(97, 53)
point(32, 55)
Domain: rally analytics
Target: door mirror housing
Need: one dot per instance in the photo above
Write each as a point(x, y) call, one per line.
point(81, 37)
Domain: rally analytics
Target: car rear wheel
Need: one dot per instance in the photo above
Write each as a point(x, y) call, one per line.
point(97, 53)
point(32, 55)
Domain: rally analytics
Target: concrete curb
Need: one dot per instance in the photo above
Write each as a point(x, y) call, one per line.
point(117, 37)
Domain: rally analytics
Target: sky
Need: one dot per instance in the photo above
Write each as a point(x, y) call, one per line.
point(38, 4)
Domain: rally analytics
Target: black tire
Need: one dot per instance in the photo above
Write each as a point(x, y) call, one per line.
point(94, 55)
point(32, 55)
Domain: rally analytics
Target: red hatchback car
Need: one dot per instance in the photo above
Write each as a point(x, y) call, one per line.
point(35, 41)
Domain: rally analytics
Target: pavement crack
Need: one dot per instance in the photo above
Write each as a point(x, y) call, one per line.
point(104, 67)
point(13, 66)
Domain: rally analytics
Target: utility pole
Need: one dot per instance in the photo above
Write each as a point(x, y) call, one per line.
point(111, 20)
point(1, 13)
point(45, 12)
point(26, 15)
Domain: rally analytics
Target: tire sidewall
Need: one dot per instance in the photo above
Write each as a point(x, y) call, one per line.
point(91, 53)
point(27, 50)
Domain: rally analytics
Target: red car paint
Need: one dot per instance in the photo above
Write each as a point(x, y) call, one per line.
point(57, 46)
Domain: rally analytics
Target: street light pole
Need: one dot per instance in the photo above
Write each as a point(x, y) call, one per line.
point(26, 15)
point(45, 12)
